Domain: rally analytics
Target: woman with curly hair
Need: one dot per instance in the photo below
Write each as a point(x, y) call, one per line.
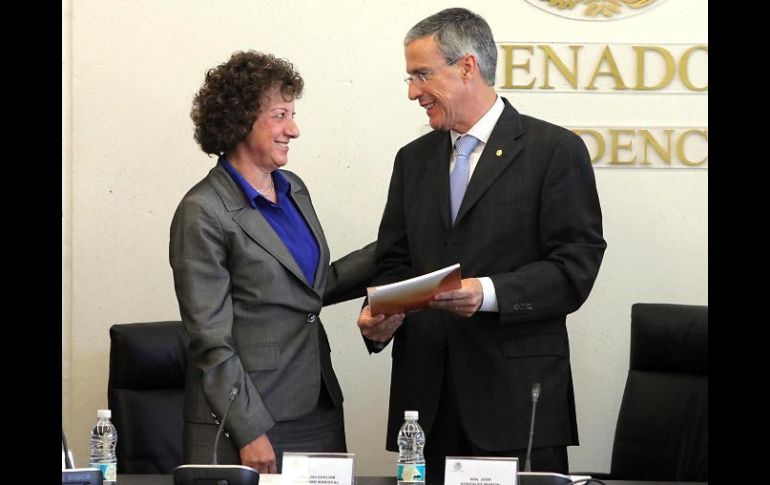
point(251, 273)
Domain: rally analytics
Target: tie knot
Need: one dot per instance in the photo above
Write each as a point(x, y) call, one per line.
point(465, 145)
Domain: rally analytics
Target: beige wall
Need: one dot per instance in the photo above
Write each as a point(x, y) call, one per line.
point(128, 156)
point(66, 168)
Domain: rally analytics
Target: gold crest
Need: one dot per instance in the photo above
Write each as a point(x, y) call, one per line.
point(595, 9)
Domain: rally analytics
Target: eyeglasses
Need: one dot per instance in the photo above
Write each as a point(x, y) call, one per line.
point(420, 78)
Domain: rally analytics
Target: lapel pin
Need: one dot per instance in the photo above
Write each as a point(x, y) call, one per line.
point(499, 153)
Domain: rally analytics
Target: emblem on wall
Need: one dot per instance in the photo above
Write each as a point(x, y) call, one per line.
point(595, 9)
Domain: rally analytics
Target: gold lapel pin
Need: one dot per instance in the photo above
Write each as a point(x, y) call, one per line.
point(499, 153)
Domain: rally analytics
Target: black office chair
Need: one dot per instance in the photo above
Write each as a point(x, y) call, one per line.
point(662, 428)
point(145, 393)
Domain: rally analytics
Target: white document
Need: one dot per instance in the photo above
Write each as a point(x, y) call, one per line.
point(414, 293)
point(462, 470)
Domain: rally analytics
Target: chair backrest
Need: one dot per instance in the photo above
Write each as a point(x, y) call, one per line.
point(145, 393)
point(662, 429)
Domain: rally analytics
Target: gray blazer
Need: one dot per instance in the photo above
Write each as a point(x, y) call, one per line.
point(251, 318)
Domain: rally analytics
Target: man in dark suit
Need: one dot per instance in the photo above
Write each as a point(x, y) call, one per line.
point(528, 235)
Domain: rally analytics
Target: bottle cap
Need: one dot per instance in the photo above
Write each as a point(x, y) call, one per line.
point(411, 414)
point(104, 413)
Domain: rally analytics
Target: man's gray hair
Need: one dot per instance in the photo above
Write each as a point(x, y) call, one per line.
point(459, 32)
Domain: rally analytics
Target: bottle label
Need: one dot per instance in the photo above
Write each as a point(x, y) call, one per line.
point(411, 472)
point(109, 470)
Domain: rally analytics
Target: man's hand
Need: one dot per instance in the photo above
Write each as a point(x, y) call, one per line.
point(379, 328)
point(464, 301)
point(259, 455)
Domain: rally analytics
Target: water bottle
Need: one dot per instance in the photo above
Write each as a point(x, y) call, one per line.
point(104, 437)
point(411, 461)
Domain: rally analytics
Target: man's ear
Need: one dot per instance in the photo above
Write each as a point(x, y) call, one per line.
point(469, 66)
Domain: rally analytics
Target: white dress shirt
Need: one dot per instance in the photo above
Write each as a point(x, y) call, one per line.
point(481, 130)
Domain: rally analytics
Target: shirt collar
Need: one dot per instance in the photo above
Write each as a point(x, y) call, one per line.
point(483, 128)
point(281, 184)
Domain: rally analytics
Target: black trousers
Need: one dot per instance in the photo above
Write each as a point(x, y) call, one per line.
point(448, 438)
point(322, 430)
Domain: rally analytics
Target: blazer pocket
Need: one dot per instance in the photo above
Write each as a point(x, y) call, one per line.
point(259, 357)
point(535, 345)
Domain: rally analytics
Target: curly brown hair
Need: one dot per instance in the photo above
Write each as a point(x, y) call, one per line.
point(232, 95)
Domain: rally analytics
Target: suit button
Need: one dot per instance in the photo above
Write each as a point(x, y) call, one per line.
point(227, 435)
point(216, 421)
point(311, 318)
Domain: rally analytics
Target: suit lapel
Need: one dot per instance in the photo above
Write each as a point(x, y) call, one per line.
point(302, 199)
point(438, 175)
point(501, 141)
point(252, 221)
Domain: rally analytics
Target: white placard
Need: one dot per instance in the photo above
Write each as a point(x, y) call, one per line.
point(271, 479)
point(317, 468)
point(463, 470)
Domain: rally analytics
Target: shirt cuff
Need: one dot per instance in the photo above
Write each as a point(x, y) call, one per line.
point(379, 345)
point(490, 297)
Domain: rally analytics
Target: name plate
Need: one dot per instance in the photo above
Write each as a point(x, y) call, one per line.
point(271, 479)
point(462, 470)
point(317, 468)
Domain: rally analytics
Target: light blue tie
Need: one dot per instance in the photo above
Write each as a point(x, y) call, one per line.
point(458, 179)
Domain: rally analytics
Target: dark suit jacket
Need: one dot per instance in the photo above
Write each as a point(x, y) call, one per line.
point(251, 316)
point(531, 221)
